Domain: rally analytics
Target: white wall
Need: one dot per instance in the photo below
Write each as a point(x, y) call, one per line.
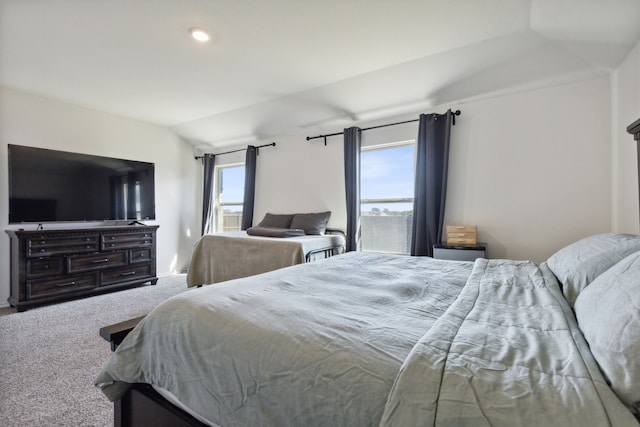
point(625, 83)
point(532, 170)
point(39, 122)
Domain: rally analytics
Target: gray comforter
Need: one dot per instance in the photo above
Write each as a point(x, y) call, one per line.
point(369, 339)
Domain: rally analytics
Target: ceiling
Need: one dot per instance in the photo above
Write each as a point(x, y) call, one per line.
point(285, 67)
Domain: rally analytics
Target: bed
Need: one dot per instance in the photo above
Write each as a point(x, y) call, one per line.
point(279, 240)
point(368, 339)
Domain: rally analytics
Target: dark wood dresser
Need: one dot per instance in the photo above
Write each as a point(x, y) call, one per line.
point(50, 266)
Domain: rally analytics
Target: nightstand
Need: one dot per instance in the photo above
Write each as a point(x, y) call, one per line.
point(460, 252)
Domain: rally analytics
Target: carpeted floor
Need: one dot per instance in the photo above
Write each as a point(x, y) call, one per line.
point(49, 356)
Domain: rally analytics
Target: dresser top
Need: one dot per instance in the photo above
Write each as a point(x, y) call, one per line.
point(84, 230)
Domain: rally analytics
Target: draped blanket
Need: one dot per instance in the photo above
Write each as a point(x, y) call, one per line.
point(371, 339)
point(232, 255)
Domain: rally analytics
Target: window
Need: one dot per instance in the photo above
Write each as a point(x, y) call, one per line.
point(229, 197)
point(386, 197)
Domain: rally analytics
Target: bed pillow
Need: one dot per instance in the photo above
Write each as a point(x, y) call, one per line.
point(274, 232)
point(311, 223)
point(579, 263)
point(608, 313)
point(276, 221)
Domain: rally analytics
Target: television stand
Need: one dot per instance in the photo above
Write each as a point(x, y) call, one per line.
point(49, 266)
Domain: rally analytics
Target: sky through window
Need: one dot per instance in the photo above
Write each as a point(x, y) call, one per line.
point(232, 184)
point(387, 173)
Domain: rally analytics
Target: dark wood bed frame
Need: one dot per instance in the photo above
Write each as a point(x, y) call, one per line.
point(143, 406)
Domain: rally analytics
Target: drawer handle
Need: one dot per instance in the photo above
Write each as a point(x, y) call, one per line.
point(46, 266)
point(87, 246)
point(62, 285)
point(99, 261)
point(128, 273)
point(43, 250)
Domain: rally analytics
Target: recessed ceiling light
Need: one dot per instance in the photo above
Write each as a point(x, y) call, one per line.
point(199, 34)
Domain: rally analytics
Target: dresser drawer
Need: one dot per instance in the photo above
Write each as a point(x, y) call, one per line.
point(62, 285)
point(121, 275)
point(53, 245)
point(139, 255)
point(44, 266)
point(461, 240)
point(126, 240)
point(78, 263)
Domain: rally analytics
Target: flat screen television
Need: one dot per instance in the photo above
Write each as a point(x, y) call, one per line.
point(49, 185)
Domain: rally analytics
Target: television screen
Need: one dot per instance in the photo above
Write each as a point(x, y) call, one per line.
point(50, 185)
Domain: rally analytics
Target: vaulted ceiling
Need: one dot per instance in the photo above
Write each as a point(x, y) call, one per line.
point(278, 67)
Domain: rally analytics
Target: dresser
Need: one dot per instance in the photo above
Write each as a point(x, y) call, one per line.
point(49, 266)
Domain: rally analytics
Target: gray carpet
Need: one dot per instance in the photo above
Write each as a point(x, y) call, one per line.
point(49, 356)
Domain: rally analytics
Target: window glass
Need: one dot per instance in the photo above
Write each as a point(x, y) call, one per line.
point(386, 193)
point(229, 197)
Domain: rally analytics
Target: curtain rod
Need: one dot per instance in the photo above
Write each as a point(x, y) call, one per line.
point(309, 138)
point(273, 144)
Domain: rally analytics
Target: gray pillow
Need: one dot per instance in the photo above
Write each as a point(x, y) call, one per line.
point(311, 223)
point(276, 221)
point(608, 313)
point(579, 263)
point(274, 232)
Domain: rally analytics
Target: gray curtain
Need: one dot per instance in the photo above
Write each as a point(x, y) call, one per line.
point(207, 193)
point(352, 186)
point(249, 186)
point(432, 161)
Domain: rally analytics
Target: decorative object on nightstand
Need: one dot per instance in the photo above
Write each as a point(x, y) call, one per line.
point(462, 235)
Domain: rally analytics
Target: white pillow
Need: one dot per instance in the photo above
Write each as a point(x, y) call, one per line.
point(579, 263)
point(608, 313)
